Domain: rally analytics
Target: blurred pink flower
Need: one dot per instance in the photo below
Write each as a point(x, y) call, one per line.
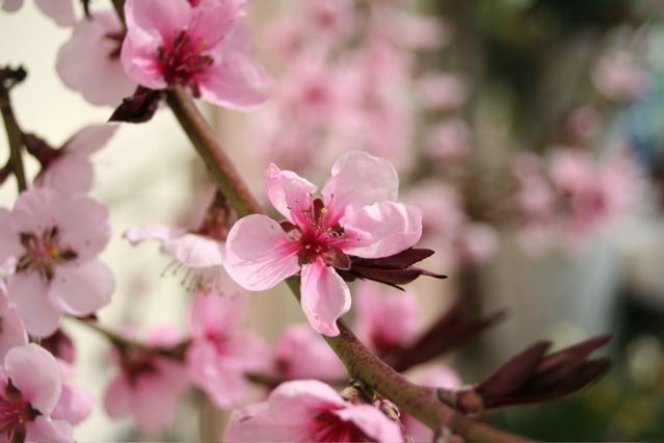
point(357, 214)
point(308, 410)
point(618, 76)
point(301, 353)
point(448, 140)
point(442, 91)
point(52, 241)
point(70, 171)
point(148, 386)
point(205, 48)
point(61, 11)
point(89, 62)
point(12, 332)
point(386, 319)
point(75, 403)
point(477, 242)
point(221, 353)
point(30, 388)
point(11, 5)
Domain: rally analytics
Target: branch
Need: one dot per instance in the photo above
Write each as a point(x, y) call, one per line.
point(14, 133)
point(420, 402)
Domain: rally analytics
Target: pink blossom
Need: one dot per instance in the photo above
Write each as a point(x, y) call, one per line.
point(477, 242)
point(30, 388)
point(70, 171)
point(386, 320)
point(618, 76)
point(148, 386)
point(449, 140)
point(357, 214)
point(12, 331)
point(308, 410)
point(205, 48)
point(301, 353)
point(89, 62)
point(331, 20)
point(75, 403)
point(52, 241)
point(442, 91)
point(221, 353)
point(61, 11)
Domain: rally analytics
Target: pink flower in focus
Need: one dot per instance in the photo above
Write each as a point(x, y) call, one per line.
point(12, 332)
point(357, 214)
point(205, 48)
point(221, 353)
point(30, 388)
point(308, 410)
point(301, 353)
point(70, 171)
point(386, 320)
point(89, 62)
point(148, 387)
point(53, 241)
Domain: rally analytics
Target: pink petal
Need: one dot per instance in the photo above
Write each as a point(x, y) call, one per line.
point(118, 397)
point(211, 312)
point(36, 374)
point(159, 18)
point(372, 422)
point(259, 254)
point(253, 423)
point(84, 63)
point(151, 232)
point(139, 59)
point(10, 245)
point(306, 355)
point(11, 5)
point(91, 138)
point(359, 179)
point(195, 251)
point(214, 20)
point(61, 11)
point(298, 402)
point(81, 289)
point(28, 292)
point(289, 193)
point(70, 174)
point(381, 229)
point(236, 81)
point(325, 297)
point(75, 404)
point(44, 430)
point(12, 332)
point(35, 210)
point(83, 225)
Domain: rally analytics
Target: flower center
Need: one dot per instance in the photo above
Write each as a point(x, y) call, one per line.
point(318, 238)
point(43, 252)
point(329, 427)
point(15, 412)
point(183, 61)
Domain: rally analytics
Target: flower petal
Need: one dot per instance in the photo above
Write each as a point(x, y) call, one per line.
point(259, 254)
point(61, 11)
point(325, 297)
point(11, 5)
point(45, 430)
point(195, 251)
point(117, 397)
point(12, 332)
point(35, 372)
point(151, 232)
point(34, 211)
point(157, 17)
point(83, 224)
point(212, 312)
point(289, 193)
point(381, 229)
point(81, 289)
point(91, 138)
point(359, 179)
point(70, 174)
point(372, 422)
point(75, 404)
point(10, 245)
point(300, 401)
point(28, 292)
point(213, 21)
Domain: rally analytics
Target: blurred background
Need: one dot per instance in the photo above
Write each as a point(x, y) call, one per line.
point(528, 131)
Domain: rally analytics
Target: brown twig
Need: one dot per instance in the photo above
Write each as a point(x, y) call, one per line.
point(14, 136)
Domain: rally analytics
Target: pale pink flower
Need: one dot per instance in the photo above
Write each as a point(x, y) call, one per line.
point(416, 31)
point(61, 11)
point(301, 353)
point(75, 403)
point(148, 386)
point(477, 242)
point(12, 331)
point(309, 410)
point(221, 353)
point(442, 91)
point(439, 376)
point(448, 140)
point(30, 388)
point(618, 76)
point(199, 254)
point(357, 214)
point(52, 241)
point(387, 320)
point(331, 20)
point(70, 171)
point(89, 62)
point(206, 48)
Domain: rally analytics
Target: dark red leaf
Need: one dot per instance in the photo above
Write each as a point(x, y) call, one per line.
point(138, 108)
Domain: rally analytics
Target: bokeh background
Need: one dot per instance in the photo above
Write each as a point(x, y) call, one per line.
point(530, 131)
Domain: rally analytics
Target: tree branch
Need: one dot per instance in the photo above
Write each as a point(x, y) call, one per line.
point(14, 137)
